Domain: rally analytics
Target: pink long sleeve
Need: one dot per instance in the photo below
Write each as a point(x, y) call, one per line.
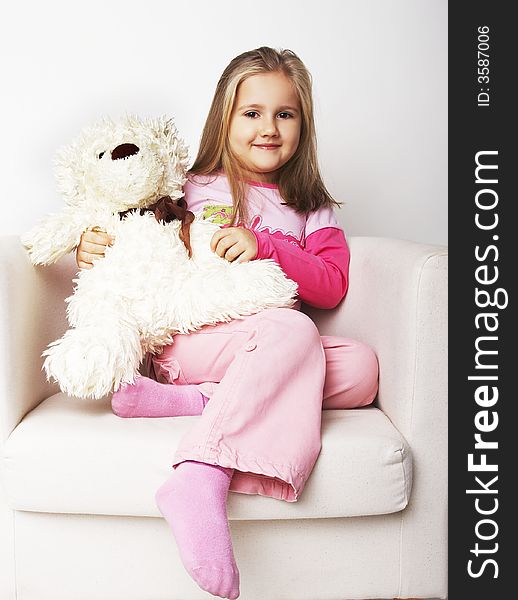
point(320, 269)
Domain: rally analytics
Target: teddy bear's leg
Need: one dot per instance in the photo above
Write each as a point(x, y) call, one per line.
point(91, 361)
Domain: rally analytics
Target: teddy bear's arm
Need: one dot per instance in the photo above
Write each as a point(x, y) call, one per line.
point(54, 236)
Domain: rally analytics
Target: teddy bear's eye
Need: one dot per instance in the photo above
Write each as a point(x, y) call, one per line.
point(101, 154)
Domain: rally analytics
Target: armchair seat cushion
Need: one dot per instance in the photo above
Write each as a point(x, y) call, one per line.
point(75, 456)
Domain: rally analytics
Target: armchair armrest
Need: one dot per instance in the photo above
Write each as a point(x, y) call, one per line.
point(397, 303)
point(32, 314)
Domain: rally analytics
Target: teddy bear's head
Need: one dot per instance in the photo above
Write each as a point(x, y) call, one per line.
point(124, 164)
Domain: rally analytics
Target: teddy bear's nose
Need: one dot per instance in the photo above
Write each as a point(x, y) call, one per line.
point(124, 150)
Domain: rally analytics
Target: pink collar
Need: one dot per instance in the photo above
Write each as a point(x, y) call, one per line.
point(262, 184)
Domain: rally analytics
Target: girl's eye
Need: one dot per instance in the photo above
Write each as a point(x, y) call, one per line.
point(253, 114)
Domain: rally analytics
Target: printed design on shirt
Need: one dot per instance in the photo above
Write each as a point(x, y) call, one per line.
point(279, 234)
point(221, 214)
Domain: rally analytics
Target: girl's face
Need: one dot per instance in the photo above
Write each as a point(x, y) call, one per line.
point(265, 125)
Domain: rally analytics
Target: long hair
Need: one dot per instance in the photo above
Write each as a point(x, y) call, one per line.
point(300, 184)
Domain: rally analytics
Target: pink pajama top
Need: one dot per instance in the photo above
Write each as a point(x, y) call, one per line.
point(311, 248)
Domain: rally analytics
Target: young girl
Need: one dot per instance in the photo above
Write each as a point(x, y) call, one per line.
point(258, 383)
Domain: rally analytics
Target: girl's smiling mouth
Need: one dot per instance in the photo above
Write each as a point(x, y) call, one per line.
point(267, 146)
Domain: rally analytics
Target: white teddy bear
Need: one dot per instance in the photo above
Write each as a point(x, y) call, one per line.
point(149, 286)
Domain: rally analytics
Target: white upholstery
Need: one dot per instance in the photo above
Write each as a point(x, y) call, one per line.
point(364, 467)
point(77, 557)
point(77, 519)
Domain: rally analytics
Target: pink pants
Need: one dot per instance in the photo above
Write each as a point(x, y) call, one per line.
point(268, 377)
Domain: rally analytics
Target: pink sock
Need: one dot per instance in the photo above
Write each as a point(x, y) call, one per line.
point(194, 503)
point(148, 398)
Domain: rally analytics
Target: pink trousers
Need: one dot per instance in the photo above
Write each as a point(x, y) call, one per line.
point(268, 376)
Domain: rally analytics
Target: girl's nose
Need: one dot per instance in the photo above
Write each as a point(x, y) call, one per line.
point(268, 128)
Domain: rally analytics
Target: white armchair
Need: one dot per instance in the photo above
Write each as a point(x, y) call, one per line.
point(77, 513)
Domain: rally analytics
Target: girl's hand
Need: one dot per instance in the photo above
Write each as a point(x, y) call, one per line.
point(92, 246)
point(234, 243)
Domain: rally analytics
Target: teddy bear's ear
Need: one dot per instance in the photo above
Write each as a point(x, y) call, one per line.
point(72, 161)
point(175, 155)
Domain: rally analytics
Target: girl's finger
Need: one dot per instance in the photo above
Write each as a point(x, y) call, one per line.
point(246, 256)
point(84, 265)
point(221, 234)
point(97, 237)
point(93, 248)
point(216, 239)
point(223, 245)
point(89, 257)
point(233, 252)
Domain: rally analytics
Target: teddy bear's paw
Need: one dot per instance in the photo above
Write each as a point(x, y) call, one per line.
point(92, 362)
point(52, 238)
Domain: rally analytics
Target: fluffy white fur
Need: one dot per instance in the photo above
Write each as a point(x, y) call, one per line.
point(146, 289)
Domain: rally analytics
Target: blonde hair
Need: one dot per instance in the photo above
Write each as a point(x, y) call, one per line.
point(299, 181)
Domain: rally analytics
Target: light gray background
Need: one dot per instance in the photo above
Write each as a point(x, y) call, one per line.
point(380, 87)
